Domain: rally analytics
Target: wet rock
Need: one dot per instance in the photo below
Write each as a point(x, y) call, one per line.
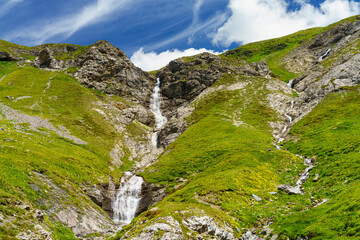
point(171, 131)
point(96, 194)
point(150, 195)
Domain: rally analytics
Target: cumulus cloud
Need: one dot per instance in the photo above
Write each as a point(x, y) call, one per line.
point(68, 25)
point(153, 61)
point(254, 20)
point(8, 5)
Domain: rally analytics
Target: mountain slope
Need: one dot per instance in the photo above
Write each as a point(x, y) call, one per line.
point(227, 163)
point(226, 156)
point(60, 144)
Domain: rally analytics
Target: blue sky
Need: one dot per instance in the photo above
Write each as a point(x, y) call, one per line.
point(164, 29)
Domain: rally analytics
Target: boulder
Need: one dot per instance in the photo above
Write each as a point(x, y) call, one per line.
point(5, 56)
point(290, 190)
point(46, 60)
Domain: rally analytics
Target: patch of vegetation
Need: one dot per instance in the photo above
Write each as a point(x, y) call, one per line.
point(61, 232)
point(15, 49)
point(331, 133)
point(25, 151)
point(272, 51)
point(218, 165)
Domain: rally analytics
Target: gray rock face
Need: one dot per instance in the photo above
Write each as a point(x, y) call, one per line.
point(46, 60)
point(315, 85)
point(150, 195)
point(83, 221)
point(167, 227)
point(171, 131)
point(182, 82)
point(106, 68)
point(291, 190)
point(206, 225)
point(5, 56)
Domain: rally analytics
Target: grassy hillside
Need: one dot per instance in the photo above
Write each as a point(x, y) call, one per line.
point(331, 132)
point(56, 137)
point(274, 50)
point(227, 155)
point(27, 92)
point(216, 165)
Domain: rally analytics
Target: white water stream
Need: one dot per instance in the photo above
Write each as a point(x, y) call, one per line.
point(290, 83)
point(160, 120)
point(127, 199)
point(324, 55)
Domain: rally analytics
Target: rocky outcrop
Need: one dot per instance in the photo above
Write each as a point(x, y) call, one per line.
point(102, 66)
point(83, 220)
point(46, 60)
point(196, 227)
point(315, 85)
point(6, 56)
point(207, 226)
point(106, 68)
point(183, 81)
point(150, 195)
point(103, 195)
point(165, 228)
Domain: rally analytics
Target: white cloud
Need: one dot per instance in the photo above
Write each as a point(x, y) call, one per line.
point(8, 5)
point(68, 25)
point(254, 20)
point(153, 61)
point(196, 10)
point(207, 26)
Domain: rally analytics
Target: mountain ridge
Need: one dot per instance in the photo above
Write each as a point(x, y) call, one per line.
point(237, 124)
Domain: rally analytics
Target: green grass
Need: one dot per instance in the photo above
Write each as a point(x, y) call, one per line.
point(225, 164)
point(66, 55)
point(331, 132)
point(272, 51)
point(24, 51)
point(64, 102)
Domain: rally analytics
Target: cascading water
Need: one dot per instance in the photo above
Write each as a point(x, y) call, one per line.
point(160, 120)
point(127, 199)
point(324, 55)
point(290, 83)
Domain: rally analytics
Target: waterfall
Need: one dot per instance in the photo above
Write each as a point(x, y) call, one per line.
point(324, 55)
point(125, 203)
point(160, 120)
point(290, 83)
